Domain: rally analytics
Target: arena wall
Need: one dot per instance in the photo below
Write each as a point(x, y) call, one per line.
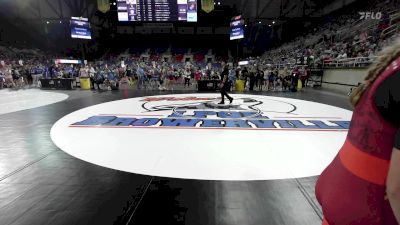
point(342, 80)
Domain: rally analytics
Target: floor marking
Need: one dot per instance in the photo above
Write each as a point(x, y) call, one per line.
point(209, 128)
point(140, 200)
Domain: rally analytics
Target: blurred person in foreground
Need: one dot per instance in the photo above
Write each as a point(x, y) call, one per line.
point(362, 184)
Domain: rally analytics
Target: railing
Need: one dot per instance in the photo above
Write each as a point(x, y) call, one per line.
point(360, 41)
point(394, 12)
point(394, 18)
point(349, 62)
point(288, 65)
point(359, 62)
point(394, 25)
point(283, 65)
point(388, 32)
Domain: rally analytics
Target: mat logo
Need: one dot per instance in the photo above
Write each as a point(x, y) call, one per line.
point(370, 15)
point(190, 106)
point(204, 113)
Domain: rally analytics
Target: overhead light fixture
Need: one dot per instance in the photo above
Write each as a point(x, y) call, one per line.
point(273, 22)
point(259, 22)
point(219, 3)
point(270, 25)
point(47, 22)
point(114, 3)
point(60, 21)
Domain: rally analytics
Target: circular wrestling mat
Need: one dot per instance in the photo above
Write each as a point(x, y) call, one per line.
point(191, 136)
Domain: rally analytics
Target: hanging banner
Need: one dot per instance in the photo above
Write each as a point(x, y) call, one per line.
point(207, 5)
point(103, 5)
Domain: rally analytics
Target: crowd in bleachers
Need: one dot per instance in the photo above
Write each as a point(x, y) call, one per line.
point(348, 40)
point(166, 76)
point(17, 64)
point(131, 72)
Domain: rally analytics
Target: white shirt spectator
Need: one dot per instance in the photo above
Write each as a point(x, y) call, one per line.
point(92, 72)
point(187, 73)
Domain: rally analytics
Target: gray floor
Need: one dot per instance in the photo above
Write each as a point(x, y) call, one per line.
point(40, 184)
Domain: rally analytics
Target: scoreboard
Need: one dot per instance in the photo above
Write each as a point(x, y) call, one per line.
point(80, 28)
point(157, 10)
point(237, 28)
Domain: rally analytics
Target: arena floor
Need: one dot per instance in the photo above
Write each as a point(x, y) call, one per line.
point(42, 184)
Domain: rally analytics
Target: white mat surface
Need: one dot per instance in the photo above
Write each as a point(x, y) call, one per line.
point(17, 100)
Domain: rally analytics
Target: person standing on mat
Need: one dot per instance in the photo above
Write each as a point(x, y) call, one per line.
point(362, 184)
point(225, 86)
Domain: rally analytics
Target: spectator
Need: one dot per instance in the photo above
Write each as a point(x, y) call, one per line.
point(92, 73)
point(187, 75)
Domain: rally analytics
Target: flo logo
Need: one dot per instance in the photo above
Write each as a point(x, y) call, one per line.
point(247, 113)
point(370, 15)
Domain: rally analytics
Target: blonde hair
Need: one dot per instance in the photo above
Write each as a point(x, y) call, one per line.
point(385, 57)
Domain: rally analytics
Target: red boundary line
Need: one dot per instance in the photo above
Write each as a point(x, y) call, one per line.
point(310, 117)
point(209, 128)
point(279, 117)
point(127, 115)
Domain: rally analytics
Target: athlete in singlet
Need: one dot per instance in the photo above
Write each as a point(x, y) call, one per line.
point(362, 184)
